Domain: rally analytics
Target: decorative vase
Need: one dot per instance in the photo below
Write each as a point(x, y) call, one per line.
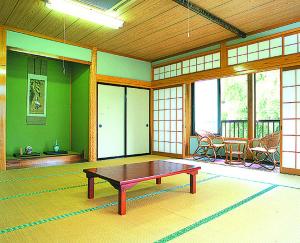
point(28, 149)
point(56, 147)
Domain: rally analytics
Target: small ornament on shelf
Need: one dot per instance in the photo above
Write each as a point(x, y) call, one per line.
point(56, 147)
point(28, 149)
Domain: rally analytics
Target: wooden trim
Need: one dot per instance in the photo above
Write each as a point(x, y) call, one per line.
point(224, 55)
point(122, 81)
point(186, 58)
point(245, 68)
point(2, 99)
point(42, 54)
point(289, 171)
point(251, 107)
point(177, 156)
point(92, 109)
point(151, 121)
point(188, 115)
point(184, 120)
point(280, 129)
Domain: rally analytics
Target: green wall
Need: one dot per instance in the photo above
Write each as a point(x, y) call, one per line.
point(124, 67)
point(80, 107)
point(36, 44)
point(40, 137)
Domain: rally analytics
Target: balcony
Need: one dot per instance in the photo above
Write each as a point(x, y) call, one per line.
point(239, 128)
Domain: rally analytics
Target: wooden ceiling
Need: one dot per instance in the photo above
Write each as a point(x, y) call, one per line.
point(153, 29)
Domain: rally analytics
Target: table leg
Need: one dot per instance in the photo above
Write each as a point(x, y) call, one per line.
point(226, 153)
point(122, 201)
point(90, 187)
point(193, 183)
point(158, 180)
point(230, 153)
point(239, 149)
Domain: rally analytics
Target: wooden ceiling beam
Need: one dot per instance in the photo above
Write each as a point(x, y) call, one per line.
point(213, 18)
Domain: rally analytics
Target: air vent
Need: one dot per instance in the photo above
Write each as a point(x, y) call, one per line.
point(106, 5)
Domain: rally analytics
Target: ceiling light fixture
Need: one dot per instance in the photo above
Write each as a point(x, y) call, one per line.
point(86, 12)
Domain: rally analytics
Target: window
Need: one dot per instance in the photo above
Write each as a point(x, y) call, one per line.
point(206, 106)
point(267, 104)
point(234, 106)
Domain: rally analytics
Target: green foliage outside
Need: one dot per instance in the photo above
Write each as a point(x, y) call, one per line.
point(234, 104)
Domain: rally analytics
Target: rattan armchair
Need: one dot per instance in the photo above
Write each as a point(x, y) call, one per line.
point(265, 150)
point(208, 146)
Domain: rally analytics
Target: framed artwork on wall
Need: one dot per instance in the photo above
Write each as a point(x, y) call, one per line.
point(36, 99)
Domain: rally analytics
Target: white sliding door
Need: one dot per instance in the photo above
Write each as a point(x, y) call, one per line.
point(168, 120)
point(291, 121)
point(111, 116)
point(137, 122)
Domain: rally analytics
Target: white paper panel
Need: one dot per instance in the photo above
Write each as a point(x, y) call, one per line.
point(288, 94)
point(161, 147)
point(289, 110)
point(167, 147)
point(173, 148)
point(173, 115)
point(288, 143)
point(179, 148)
point(168, 136)
point(173, 103)
point(179, 137)
point(173, 92)
point(161, 93)
point(155, 125)
point(288, 160)
point(155, 95)
point(155, 106)
point(161, 136)
point(173, 125)
point(156, 136)
point(288, 78)
point(288, 127)
point(298, 161)
point(167, 104)
point(173, 137)
point(155, 146)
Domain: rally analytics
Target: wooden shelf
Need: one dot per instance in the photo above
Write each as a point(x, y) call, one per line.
point(44, 160)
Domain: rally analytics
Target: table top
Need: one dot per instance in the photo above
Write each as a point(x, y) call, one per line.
point(140, 171)
point(235, 142)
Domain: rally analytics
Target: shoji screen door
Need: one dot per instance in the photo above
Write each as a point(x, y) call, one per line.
point(290, 121)
point(168, 120)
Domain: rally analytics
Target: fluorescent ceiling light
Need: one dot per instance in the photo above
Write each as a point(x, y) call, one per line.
point(84, 12)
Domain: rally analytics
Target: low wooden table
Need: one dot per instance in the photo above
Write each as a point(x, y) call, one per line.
point(239, 152)
point(124, 177)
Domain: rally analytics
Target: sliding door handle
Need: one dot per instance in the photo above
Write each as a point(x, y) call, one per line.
point(100, 125)
point(147, 125)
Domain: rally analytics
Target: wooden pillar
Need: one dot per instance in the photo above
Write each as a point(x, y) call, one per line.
point(93, 108)
point(188, 116)
point(2, 99)
point(251, 108)
point(224, 55)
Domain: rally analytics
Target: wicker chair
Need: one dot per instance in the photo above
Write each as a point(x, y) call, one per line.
point(208, 146)
point(265, 150)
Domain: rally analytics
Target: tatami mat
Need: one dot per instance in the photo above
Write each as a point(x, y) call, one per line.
point(50, 205)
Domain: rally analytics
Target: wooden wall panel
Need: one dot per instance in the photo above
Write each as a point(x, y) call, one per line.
point(122, 81)
point(2, 99)
point(93, 109)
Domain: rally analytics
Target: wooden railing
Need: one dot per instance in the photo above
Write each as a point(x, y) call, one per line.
point(239, 128)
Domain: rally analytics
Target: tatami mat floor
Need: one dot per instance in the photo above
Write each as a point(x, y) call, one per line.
point(231, 205)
